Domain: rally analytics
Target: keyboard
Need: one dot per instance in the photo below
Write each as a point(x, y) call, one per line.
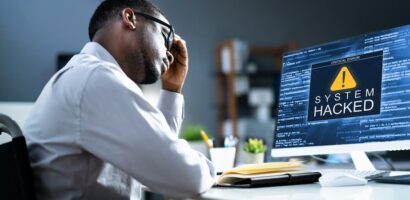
point(403, 179)
point(358, 173)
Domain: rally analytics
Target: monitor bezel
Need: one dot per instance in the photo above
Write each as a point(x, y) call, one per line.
point(341, 148)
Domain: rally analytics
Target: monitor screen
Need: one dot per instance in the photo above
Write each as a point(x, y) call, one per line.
point(351, 94)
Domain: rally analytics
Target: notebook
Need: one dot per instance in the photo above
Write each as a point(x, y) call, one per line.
point(267, 174)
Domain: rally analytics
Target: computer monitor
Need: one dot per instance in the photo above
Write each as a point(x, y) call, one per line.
point(345, 96)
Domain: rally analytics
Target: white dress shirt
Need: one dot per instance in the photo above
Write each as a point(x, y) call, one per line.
point(91, 130)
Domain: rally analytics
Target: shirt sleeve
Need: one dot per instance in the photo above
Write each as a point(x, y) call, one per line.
point(171, 105)
point(118, 125)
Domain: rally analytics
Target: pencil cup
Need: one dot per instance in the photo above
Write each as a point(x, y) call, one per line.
point(222, 158)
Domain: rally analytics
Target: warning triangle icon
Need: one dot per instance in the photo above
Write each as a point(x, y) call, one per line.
point(344, 80)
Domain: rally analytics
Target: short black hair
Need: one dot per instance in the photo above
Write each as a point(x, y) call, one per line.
point(109, 9)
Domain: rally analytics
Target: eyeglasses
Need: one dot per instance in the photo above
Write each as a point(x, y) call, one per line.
point(169, 36)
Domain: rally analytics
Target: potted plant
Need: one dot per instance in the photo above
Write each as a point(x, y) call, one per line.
point(192, 134)
point(254, 151)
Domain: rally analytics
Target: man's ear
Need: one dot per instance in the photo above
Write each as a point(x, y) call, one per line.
point(128, 18)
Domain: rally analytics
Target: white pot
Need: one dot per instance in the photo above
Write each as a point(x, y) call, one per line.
point(253, 158)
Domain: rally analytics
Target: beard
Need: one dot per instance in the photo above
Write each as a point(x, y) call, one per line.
point(151, 73)
point(142, 69)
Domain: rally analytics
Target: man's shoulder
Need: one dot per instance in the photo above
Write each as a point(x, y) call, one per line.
point(83, 66)
point(79, 71)
point(102, 75)
point(86, 62)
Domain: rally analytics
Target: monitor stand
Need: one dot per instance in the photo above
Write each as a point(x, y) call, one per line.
point(361, 161)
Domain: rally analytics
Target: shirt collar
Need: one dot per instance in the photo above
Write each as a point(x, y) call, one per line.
point(95, 49)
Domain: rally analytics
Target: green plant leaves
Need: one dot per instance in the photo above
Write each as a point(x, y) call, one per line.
point(254, 145)
point(192, 133)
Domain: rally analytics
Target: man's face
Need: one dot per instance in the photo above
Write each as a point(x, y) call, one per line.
point(150, 56)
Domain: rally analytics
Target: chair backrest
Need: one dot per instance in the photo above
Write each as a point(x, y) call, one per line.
point(16, 180)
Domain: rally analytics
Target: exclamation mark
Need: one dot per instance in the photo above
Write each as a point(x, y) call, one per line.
point(344, 74)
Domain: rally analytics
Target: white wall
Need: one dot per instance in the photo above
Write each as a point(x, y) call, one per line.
point(18, 111)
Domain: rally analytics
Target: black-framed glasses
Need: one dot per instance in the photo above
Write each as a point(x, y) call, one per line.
point(169, 36)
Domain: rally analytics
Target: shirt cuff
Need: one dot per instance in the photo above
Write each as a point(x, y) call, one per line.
point(171, 103)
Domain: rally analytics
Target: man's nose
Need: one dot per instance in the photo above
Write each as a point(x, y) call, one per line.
point(170, 57)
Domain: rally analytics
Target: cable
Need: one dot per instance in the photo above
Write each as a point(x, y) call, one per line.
point(390, 164)
point(326, 160)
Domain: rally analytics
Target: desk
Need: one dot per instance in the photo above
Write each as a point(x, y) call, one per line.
point(370, 191)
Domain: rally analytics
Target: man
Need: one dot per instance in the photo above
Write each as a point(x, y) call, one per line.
point(91, 128)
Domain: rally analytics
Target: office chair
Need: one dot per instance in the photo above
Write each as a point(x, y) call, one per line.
point(16, 178)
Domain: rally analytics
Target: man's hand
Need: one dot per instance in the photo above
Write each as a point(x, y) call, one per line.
point(173, 79)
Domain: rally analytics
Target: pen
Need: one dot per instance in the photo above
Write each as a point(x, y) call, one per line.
point(206, 139)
